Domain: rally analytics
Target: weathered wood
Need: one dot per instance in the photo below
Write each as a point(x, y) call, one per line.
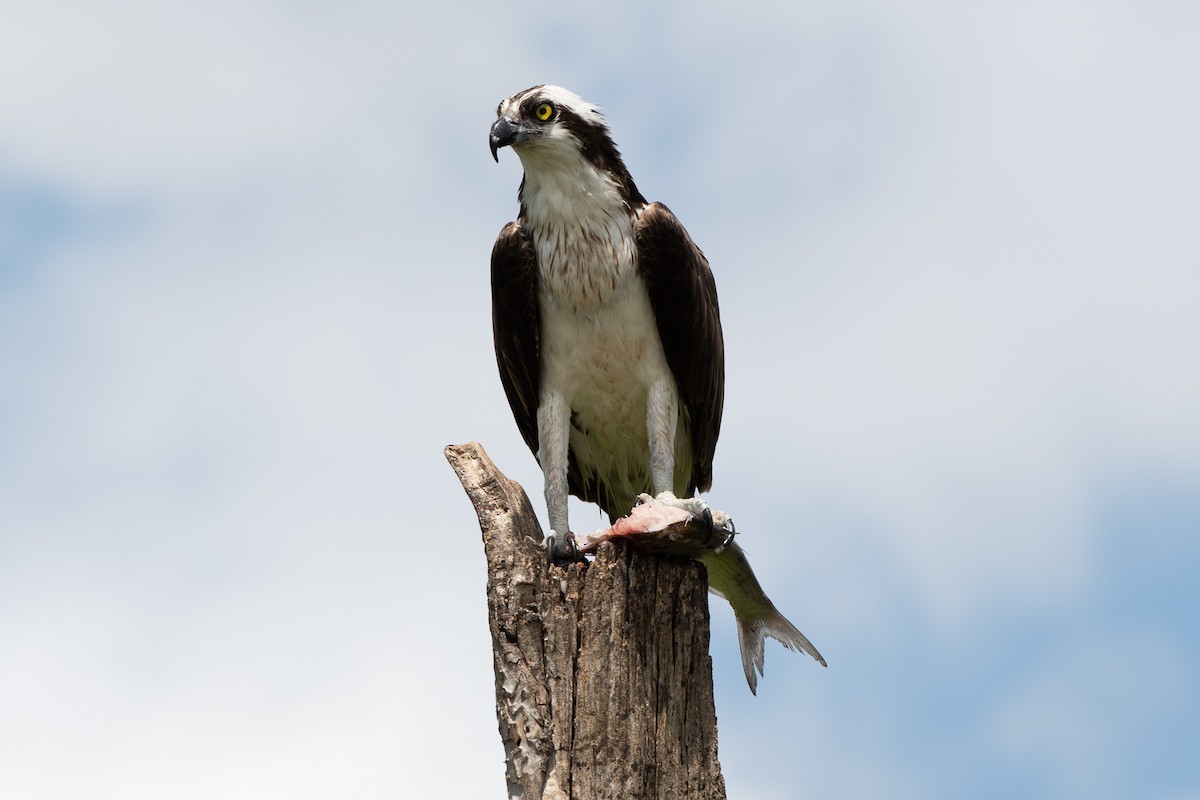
point(603, 678)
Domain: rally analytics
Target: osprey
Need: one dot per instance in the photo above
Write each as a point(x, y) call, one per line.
point(608, 339)
point(605, 318)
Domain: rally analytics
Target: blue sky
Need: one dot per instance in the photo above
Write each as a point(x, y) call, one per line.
point(244, 305)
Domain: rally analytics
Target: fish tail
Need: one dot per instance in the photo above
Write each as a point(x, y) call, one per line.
point(752, 635)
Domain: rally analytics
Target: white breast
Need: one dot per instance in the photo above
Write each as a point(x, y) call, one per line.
point(598, 329)
point(583, 231)
point(603, 361)
point(600, 345)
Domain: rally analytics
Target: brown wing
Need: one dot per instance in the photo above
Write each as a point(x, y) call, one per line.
point(683, 295)
point(516, 326)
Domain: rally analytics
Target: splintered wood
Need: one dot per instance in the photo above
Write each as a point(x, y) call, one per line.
point(603, 678)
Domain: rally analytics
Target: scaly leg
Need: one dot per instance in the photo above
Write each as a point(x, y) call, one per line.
point(554, 426)
point(662, 414)
point(662, 419)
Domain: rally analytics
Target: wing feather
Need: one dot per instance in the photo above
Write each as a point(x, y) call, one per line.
point(516, 326)
point(683, 295)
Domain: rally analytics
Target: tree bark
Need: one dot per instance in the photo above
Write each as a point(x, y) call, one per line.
point(603, 677)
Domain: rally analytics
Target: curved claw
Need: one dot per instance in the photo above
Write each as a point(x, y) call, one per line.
point(561, 552)
point(727, 526)
point(732, 529)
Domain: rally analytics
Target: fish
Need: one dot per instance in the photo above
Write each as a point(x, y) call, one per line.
point(670, 530)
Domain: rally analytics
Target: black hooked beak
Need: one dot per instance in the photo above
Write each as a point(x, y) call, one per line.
point(503, 134)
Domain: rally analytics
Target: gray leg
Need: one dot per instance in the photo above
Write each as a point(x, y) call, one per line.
point(662, 417)
point(554, 421)
point(662, 413)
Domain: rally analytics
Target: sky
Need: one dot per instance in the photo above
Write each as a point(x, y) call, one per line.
point(244, 305)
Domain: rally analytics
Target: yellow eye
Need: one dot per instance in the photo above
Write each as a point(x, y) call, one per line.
point(544, 112)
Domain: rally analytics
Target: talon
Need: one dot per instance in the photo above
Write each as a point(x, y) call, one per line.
point(562, 552)
point(706, 515)
point(732, 533)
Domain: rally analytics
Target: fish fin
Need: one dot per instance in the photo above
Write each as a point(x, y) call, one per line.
point(752, 635)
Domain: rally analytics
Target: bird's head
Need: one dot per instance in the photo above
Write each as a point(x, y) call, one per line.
point(546, 120)
point(553, 129)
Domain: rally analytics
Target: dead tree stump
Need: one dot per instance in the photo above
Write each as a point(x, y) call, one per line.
point(603, 677)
